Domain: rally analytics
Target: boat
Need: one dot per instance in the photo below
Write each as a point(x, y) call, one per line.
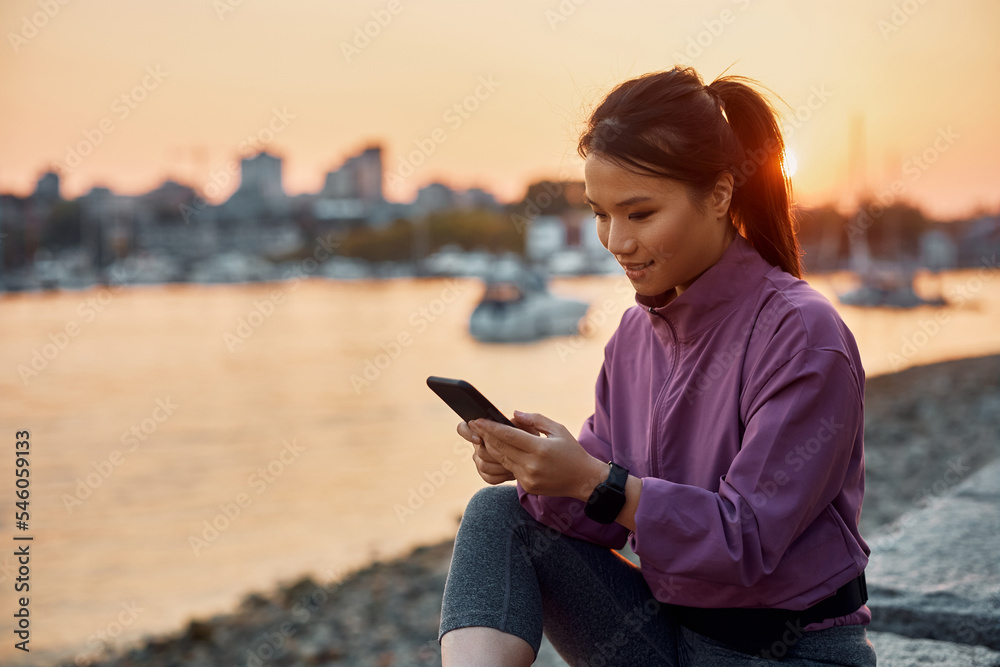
point(887, 288)
point(882, 284)
point(519, 308)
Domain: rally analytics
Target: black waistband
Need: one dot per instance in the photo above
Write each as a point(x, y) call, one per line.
point(770, 632)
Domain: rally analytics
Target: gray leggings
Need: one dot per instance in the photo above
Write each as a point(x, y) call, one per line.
point(510, 572)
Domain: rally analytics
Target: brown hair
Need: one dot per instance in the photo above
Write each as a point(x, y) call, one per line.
point(670, 124)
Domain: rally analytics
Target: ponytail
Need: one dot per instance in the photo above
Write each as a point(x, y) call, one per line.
point(670, 124)
point(761, 205)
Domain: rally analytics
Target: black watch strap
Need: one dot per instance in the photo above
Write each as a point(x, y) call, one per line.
point(617, 476)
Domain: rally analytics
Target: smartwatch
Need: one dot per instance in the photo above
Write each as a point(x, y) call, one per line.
point(608, 497)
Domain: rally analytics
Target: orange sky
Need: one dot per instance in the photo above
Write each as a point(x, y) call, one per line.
point(200, 76)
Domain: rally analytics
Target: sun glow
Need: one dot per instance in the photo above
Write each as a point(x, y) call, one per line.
point(791, 162)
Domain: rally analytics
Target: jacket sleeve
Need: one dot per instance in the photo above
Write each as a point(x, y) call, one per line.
point(566, 514)
point(802, 422)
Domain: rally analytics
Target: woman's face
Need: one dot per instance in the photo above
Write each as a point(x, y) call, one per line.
point(653, 228)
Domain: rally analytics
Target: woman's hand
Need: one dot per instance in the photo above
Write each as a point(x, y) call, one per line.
point(489, 469)
point(542, 455)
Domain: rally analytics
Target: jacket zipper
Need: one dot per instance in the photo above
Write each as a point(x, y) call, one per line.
point(654, 464)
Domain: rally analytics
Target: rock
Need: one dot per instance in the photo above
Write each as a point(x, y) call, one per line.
point(199, 631)
point(303, 589)
point(920, 420)
point(935, 572)
point(896, 651)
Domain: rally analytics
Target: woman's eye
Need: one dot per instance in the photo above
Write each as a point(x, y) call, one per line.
point(639, 216)
point(600, 216)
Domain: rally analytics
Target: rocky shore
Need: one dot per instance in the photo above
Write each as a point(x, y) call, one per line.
point(920, 421)
point(929, 431)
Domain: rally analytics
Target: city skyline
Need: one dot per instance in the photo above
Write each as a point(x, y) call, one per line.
point(481, 95)
point(357, 177)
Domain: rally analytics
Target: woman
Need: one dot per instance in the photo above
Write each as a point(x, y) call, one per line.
point(726, 441)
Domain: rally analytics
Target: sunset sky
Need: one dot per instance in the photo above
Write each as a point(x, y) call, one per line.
point(201, 76)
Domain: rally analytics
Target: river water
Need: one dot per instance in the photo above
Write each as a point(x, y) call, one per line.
point(191, 444)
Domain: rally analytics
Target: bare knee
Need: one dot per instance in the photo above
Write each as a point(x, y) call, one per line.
point(475, 646)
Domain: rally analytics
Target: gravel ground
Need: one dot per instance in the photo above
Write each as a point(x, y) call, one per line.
point(920, 421)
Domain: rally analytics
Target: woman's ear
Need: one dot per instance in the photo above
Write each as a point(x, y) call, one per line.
point(722, 195)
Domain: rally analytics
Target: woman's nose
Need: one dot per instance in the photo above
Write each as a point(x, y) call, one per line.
point(620, 240)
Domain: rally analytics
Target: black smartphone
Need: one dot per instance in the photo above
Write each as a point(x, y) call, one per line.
point(466, 400)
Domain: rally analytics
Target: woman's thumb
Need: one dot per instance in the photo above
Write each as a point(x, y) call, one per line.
point(536, 421)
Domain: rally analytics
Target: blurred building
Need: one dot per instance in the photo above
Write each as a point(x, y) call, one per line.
point(352, 193)
point(260, 195)
point(47, 188)
point(172, 220)
point(169, 196)
point(108, 225)
point(433, 197)
point(261, 175)
point(476, 198)
point(567, 244)
point(360, 177)
point(546, 236)
point(979, 244)
point(938, 252)
point(13, 253)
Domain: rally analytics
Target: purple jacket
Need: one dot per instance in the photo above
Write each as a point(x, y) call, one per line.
point(740, 405)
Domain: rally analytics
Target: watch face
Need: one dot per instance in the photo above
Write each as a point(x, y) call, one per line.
point(604, 504)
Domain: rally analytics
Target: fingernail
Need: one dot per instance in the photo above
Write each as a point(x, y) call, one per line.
point(518, 413)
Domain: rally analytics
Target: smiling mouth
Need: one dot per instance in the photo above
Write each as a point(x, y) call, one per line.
point(637, 267)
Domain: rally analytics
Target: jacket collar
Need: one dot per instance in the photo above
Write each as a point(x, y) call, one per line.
point(712, 296)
